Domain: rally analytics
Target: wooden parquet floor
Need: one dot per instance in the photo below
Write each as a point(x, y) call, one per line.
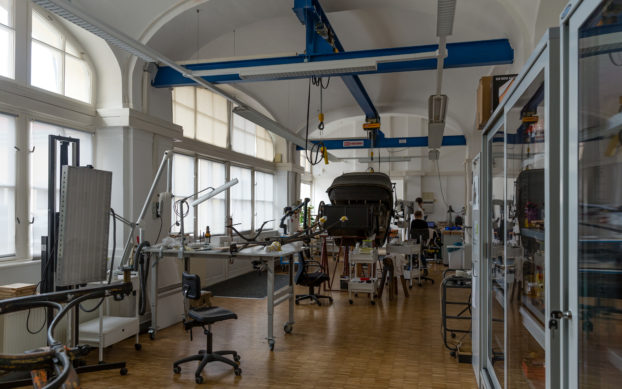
point(394, 344)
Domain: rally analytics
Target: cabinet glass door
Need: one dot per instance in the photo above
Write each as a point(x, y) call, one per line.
point(496, 257)
point(525, 238)
point(597, 127)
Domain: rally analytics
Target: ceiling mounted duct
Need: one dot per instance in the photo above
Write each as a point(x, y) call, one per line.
point(445, 17)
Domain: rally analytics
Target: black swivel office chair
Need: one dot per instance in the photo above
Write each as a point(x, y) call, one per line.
point(422, 236)
point(201, 317)
point(306, 277)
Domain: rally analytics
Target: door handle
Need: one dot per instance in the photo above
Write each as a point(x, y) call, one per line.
point(557, 315)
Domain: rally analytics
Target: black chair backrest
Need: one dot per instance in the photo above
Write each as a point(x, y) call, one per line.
point(191, 286)
point(421, 235)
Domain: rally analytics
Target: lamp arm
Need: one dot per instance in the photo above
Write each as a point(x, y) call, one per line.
point(124, 265)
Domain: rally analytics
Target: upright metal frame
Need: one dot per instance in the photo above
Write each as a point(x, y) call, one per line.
point(572, 19)
point(542, 66)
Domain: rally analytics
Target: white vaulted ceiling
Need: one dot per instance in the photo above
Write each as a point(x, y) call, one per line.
point(227, 28)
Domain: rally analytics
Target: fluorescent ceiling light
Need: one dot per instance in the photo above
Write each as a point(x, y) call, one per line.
point(386, 159)
point(437, 108)
point(318, 68)
point(445, 17)
point(274, 127)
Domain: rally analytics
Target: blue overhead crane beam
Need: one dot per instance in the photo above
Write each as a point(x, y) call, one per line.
point(460, 54)
point(382, 142)
point(311, 14)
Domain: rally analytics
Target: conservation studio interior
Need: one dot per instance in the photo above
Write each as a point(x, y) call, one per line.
point(311, 194)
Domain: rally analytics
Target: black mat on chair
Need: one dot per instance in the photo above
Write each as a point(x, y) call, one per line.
point(249, 285)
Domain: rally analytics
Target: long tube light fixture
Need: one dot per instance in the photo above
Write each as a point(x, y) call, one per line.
point(67, 10)
point(317, 68)
point(215, 192)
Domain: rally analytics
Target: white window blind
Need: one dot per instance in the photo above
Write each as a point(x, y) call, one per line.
point(264, 200)
point(7, 39)
point(203, 115)
point(251, 139)
point(183, 186)
point(7, 184)
point(211, 212)
point(241, 201)
point(39, 133)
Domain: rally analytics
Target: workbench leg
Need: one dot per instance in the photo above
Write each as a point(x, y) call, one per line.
point(271, 304)
point(154, 299)
point(292, 297)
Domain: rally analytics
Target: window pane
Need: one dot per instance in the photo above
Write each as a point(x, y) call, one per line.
point(264, 200)
point(184, 116)
point(220, 109)
point(6, 12)
point(184, 95)
point(77, 79)
point(183, 186)
point(70, 48)
point(205, 128)
point(212, 212)
point(241, 204)
point(46, 68)
point(39, 133)
point(7, 185)
point(221, 130)
point(7, 52)
point(205, 102)
point(43, 30)
point(305, 191)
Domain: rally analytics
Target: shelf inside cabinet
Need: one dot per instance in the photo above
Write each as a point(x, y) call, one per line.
point(535, 306)
point(533, 326)
point(533, 233)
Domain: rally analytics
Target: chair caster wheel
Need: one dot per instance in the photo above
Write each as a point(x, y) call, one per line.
point(198, 379)
point(373, 302)
point(151, 334)
point(271, 344)
point(237, 358)
point(453, 335)
point(356, 294)
point(176, 369)
point(138, 346)
point(351, 302)
point(288, 328)
point(319, 304)
point(238, 371)
point(330, 299)
point(123, 371)
point(297, 302)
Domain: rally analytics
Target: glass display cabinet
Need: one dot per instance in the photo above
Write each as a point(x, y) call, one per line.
point(520, 192)
point(592, 169)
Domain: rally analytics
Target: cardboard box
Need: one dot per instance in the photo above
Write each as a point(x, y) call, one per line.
point(491, 91)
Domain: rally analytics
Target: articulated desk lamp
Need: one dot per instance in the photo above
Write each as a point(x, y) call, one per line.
point(166, 165)
point(184, 203)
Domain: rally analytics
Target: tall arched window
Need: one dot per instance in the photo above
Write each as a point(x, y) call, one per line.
point(57, 63)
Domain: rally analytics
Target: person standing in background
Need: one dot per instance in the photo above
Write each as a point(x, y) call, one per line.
point(419, 207)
